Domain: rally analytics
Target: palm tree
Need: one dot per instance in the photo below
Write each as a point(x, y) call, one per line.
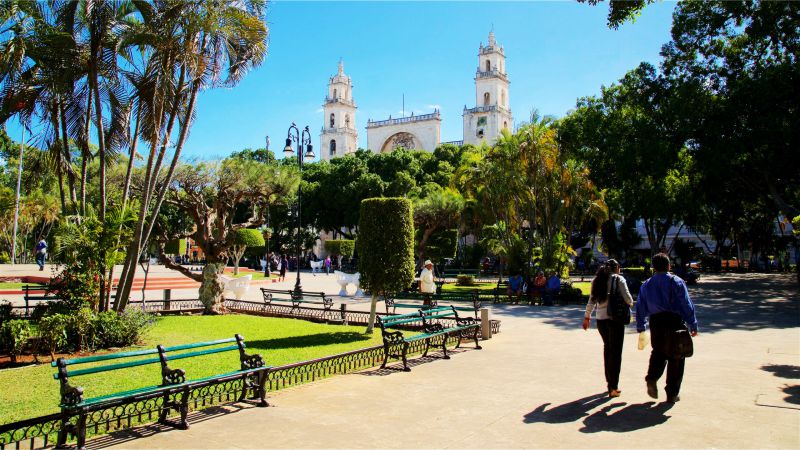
point(212, 44)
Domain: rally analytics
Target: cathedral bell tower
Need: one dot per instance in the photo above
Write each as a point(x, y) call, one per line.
point(492, 113)
point(339, 136)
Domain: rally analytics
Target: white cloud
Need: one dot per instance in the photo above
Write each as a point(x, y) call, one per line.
point(434, 106)
point(319, 110)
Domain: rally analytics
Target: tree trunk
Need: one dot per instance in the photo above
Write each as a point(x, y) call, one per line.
point(211, 289)
point(372, 308)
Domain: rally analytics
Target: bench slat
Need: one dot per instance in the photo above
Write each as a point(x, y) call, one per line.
point(107, 357)
point(198, 344)
point(203, 352)
point(400, 322)
point(98, 369)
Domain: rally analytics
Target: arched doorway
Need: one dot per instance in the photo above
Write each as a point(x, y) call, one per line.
point(401, 139)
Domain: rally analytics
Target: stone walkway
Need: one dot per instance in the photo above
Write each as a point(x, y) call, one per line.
point(539, 383)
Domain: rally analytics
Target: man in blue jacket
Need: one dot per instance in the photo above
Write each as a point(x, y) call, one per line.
point(664, 302)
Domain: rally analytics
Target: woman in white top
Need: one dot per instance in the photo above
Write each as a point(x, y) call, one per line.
point(612, 331)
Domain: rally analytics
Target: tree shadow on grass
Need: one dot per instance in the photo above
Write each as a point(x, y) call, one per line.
point(630, 418)
point(568, 412)
point(311, 340)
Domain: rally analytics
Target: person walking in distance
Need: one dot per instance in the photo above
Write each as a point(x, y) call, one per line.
point(665, 306)
point(41, 253)
point(284, 265)
point(426, 283)
point(328, 265)
point(612, 331)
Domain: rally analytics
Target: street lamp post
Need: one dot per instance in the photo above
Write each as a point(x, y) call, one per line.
point(302, 140)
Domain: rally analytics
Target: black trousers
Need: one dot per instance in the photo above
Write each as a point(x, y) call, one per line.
point(661, 325)
point(613, 334)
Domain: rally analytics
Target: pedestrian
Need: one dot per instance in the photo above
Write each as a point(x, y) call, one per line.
point(664, 305)
point(612, 331)
point(515, 284)
point(41, 253)
point(328, 265)
point(551, 288)
point(284, 265)
point(426, 285)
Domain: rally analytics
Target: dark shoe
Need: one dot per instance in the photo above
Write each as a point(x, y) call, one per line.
point(673, 398)
point(613, 393)
point(652, 389)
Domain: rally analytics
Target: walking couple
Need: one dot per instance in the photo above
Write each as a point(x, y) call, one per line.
point(663, 304)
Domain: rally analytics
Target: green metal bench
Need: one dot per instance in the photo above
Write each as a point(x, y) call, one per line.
point(471, 299)
point(432, 328)
point(295, 298)
point(175, 389)
point(43, 297)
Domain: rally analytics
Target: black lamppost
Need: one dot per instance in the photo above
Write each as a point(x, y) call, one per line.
point(302, 140)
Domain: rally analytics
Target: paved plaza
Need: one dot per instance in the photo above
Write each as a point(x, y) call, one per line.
point(539, 383)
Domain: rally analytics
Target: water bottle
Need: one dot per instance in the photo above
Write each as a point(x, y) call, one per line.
point(644, 339)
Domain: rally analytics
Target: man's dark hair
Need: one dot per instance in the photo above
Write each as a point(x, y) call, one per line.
point(661, 262)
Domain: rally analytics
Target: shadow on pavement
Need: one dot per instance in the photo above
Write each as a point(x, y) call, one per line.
point(568, 412)
point(792, 394)
point(194, 417)
point(723, 302)
point(395, 366)
point(783, 370)
point(630, 418)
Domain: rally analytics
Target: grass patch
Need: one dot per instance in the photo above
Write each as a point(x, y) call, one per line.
point(10, 285)
point(31, 391)
point(453, 288)
point(584, 286)
point(256, 275)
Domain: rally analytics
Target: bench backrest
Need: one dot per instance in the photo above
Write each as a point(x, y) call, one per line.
point(397, 319)
point(159, 355)
point(440, 312)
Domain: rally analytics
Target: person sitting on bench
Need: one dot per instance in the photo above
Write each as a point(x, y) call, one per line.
point(551, 289)
point(515, 285)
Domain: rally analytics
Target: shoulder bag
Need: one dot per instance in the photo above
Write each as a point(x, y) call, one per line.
point(618, 310)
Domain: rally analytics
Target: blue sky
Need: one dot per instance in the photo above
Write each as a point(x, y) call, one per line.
point(556, 52)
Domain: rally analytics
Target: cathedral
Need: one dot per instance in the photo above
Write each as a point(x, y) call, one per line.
point(483, 123)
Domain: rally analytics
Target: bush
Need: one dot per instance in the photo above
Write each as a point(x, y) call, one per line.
point(53, 333)
point(80, 327)
point(441, 244)
point(78, 286)
point(385, 247)
point(110, 329)
point(14, 335)
point(386, 244)
point(465, 280)
point(571, 294)
point(175, 247)
point(4, 258)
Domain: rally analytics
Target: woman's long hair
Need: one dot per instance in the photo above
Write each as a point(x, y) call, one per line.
point(600, 283)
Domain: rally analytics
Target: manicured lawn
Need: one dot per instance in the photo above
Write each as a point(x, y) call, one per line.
point(452, 287)
point(584, 286)
point(256, 275)
point(9, 285)
point(31, 391)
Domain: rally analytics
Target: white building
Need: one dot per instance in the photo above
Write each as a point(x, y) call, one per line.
point(483, 123)
point(339, 136)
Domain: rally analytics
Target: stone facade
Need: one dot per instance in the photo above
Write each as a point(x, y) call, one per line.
point(414, 133)
point(339, 136)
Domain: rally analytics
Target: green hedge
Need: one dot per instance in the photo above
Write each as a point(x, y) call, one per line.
point(343, 247)
point(386, 244)
point(248, 237)
point(175, 247)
